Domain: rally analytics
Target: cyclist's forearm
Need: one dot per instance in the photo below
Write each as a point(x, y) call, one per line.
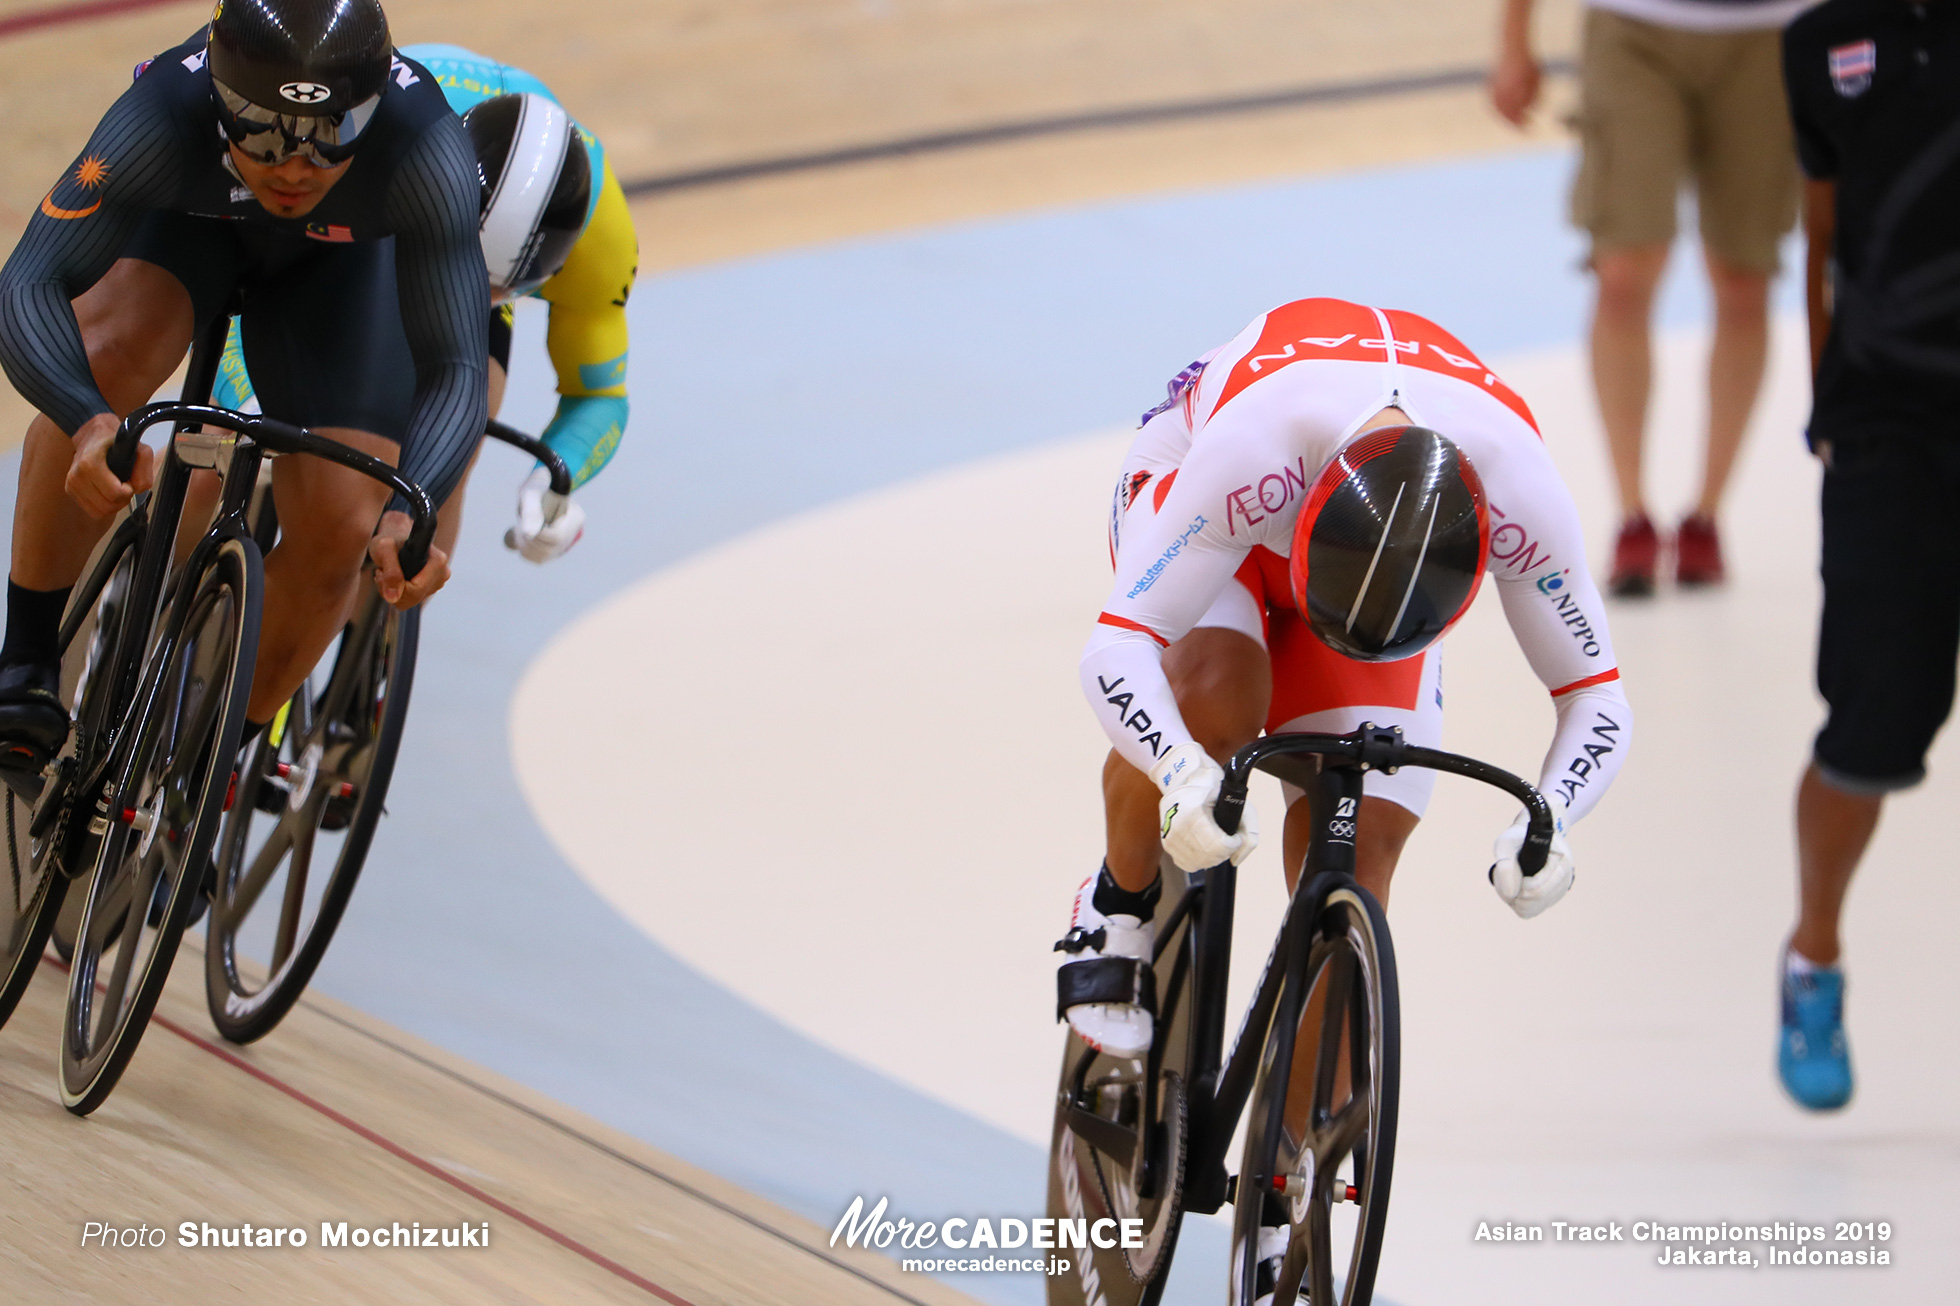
point(43, 356)
point(1123, 679)
point(586, 432)
point(451, 410)
point(444, 293)
point(1595, 727)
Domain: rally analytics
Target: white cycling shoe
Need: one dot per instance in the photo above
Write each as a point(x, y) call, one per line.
point(1273, 1242)
point(1108, 957)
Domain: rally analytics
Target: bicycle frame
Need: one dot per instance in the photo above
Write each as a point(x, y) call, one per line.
point(235, 451)
point(1217, 1084)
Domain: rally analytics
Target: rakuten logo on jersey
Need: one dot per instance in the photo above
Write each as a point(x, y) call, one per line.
point(1268, 497)
point(1156, 568)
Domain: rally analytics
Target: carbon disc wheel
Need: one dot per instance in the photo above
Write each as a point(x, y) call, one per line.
point(36, 890)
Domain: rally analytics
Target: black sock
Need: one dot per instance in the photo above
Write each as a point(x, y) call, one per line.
point(33, 624)
point(1112, 899)
point(252, 729)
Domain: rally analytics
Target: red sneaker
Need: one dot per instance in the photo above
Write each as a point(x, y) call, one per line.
point(1636, 554)
point(1697, 552)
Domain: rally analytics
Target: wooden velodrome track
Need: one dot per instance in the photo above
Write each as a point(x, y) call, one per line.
point(338, 1115)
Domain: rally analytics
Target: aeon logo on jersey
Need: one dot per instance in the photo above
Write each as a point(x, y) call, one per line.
point(1512, 545)
point(305, 92)
point(1266, 497)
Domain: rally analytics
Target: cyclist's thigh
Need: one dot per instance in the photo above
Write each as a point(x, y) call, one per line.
point(1317, 690)
point(1220, 674)
point(326, 511)
point(323, 339)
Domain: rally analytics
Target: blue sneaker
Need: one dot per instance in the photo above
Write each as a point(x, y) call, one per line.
point(1812, 1058)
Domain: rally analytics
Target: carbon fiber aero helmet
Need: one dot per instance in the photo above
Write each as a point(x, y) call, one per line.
point(537, 189)
point(1391, 544)
point(298, 76)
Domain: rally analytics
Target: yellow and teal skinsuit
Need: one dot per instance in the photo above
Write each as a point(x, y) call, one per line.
point(587, 333)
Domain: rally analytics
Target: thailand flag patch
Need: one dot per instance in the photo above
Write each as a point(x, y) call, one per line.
point(1852, 67)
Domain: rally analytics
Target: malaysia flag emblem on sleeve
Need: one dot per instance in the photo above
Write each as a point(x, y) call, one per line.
point(1852, 67)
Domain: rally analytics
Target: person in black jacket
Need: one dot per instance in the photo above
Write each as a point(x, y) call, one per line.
point(1874, 89)
point(288, 154)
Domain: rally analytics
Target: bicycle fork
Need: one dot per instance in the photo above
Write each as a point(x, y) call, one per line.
point(1221, 1086)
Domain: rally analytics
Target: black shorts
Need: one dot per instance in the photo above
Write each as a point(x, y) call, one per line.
point(319, 320)
point(1891, 627)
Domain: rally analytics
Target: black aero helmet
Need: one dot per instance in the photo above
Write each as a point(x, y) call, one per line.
point(537, 188)
point(1391, 543)
point(298, 76)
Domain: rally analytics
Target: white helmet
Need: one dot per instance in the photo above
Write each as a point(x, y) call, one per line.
point(537, 188)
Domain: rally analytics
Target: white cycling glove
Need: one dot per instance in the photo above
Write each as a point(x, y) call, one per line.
point(1190, 781)
point(547, 523)
point(1529, 895)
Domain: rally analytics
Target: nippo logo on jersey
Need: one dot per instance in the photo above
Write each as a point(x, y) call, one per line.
point(1852, 67)
point(305, 92)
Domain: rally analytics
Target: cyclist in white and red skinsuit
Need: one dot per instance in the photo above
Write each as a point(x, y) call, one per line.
point(1200, 530)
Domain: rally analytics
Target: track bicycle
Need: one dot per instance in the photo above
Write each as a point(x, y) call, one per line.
point(131, 806)
point(1146, 1139)
point(311, 790)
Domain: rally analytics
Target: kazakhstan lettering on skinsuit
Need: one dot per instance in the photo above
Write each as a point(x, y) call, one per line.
point(1156, 568)
point(1138, 721)
point(1272, 493)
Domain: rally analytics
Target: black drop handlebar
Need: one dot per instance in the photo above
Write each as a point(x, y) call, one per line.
point(561, 475)
point(283, 437)
point(1373, 748)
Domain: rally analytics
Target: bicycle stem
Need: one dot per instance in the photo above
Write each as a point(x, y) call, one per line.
point(1372, 748)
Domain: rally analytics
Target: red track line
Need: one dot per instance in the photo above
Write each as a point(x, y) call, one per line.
point(428, 1167)
point(37, 18)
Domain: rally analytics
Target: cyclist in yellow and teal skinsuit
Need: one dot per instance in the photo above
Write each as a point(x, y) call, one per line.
point(586, 338)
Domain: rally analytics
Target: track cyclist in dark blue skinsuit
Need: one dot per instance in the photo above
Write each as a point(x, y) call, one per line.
point(288, 156)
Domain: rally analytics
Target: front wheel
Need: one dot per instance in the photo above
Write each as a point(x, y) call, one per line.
point(158, 821)
point(36, 894)
point(1320, 1135)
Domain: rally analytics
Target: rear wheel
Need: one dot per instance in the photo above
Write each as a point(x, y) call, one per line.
point(1118, 1147)
point(1320, 1139)
point(310, 793)
point(159, 824)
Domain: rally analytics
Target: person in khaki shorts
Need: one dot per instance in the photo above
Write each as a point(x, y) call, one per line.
point(1673, 91)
